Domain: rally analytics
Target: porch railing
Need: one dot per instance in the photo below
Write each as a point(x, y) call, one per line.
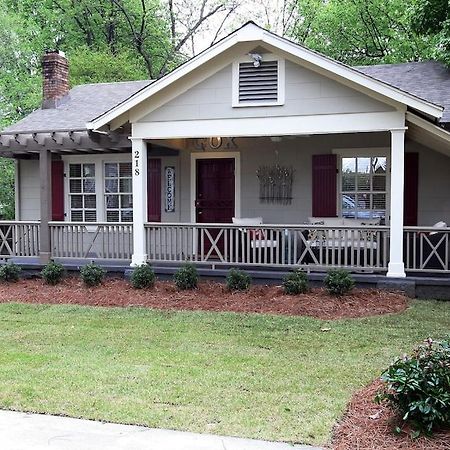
point(91, 240)
point(275, 245)
point(427, 249)
point(19, 239)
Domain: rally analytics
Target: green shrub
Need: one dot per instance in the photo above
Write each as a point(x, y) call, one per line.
point(339, 282)
point(418, 386)
point(238, 280)
point(143, 277)
point(296, 283)
point(92, 274)
point(186, 277)
point(10, 272)
point(53, 273)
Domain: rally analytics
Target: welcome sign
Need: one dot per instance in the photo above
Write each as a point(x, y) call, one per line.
point(170, 188)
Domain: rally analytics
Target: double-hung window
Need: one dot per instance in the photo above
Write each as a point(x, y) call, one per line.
point(118, 192)
point(364, 187)
point(82, 197)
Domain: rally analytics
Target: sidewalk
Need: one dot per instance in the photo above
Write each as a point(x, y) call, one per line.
point(22, 431)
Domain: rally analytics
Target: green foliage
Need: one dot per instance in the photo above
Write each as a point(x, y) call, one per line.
point(143, 277)
point(10, 272)
point(296, 283)
point(53, 273)
point(418, 386)
point(339, 282)
point(238, 280)
point(186, 277)
point(92, 274)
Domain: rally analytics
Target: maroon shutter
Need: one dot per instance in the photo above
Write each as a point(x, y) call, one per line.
point(154, 190)
point(57, 190)
point(324, 191)
point(411, 188)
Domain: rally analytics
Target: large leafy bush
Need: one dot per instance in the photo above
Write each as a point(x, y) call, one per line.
point(238, 280)
point(339, 282)
point(186, 277)
point(53, 273)
point(418, 386)
point(143, 277)
point(92, 274)
point(296, 283)
point(10, 272)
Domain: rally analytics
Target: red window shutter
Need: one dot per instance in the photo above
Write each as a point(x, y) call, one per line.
point(57, 190)
point(154, 190)
point(324, 190)
point(411, 194)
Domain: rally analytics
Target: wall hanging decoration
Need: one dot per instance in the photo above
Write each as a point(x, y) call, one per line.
point(215, 143)
point(170, 188)
point(275, 184)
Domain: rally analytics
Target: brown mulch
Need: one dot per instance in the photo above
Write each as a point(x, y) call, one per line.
point(208, 297)
point(369, 426)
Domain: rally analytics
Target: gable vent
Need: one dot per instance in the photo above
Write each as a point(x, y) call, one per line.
point(258, 84)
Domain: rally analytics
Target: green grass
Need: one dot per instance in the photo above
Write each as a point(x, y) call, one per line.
point(259, 376)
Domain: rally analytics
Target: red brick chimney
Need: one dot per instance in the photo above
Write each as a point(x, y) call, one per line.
point(55, 83)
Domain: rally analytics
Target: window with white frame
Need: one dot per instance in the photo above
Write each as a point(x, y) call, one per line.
point(363, 187)
point(118, 192)
point(82, 197)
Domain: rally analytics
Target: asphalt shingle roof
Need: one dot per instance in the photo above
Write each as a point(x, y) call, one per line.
point(85, 102)
point(429, 80)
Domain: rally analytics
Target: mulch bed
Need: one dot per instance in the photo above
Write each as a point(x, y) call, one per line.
point(208, 297)
point(369, 426)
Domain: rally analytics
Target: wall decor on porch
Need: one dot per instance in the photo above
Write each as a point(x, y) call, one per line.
point(170, 189)
point(215, 143)
point(275, 183)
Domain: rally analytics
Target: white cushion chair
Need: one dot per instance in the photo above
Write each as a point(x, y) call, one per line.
point(258, 236)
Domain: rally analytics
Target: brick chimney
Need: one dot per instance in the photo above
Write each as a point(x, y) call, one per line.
point(55, 83)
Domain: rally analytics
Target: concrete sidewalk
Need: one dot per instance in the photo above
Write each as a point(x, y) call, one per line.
point(22, 431)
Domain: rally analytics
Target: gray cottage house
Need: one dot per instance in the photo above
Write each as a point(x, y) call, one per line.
point(258, 153)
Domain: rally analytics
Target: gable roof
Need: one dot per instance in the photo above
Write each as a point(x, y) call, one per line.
point(429, 80)
point(252, 33)
point(84, 103)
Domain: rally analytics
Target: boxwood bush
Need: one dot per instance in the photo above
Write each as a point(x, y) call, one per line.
point(339, 282)
point(295, 283)
point(418, 386)
point(92, 274)
point(53, 273)
point(186, 277)
point(10, 272)
point(238, 280)
point(143, 277)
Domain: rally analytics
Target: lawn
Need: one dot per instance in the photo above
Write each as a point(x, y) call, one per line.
point(260, 376)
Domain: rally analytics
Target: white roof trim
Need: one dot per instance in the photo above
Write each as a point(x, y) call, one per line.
point(430, 127)
point(249, 33)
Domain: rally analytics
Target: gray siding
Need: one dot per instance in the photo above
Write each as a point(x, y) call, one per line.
point(307, 93)
point(29, 198)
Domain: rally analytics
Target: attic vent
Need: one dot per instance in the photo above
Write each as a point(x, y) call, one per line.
point(258, 84)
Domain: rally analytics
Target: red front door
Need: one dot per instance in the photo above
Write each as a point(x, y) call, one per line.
point(214, 201)
point(215, 190)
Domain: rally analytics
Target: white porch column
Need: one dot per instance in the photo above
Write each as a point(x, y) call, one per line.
point(396, 267)
point(139, 159)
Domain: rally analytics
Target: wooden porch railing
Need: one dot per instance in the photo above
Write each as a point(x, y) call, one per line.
point(19, 239)
point(305, 246)
point(427, 249)
point(91, 240)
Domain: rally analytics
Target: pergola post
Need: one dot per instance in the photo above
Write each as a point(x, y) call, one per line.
point(396, 266)
point(139, 159)
point(45, 181)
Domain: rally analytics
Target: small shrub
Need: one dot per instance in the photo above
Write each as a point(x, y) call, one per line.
point(339, 282)
point(92, 274)
point(237, 280)
point(186, 277)
point(53, 273)
point(296, 283)
point(418, 386)
point(10, 272)
point(143, 277)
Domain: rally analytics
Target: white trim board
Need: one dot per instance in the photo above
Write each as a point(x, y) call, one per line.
point(237, 177)
point(271, 126)
point(255, 35)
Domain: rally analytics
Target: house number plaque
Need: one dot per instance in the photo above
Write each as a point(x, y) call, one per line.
point(170, 188)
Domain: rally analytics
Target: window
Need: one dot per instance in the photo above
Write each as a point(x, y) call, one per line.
point(118, 192)
point(82, 198)
point(363, 187)
point(258, 82)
